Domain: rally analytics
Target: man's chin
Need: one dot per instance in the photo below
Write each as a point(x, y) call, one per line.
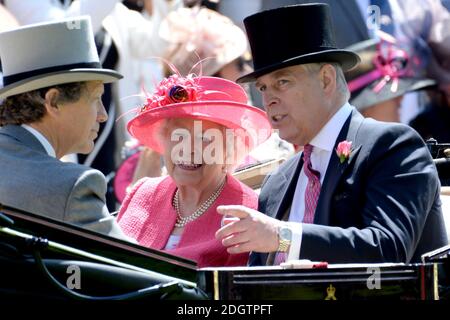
point(288, 137)
point(86, 149)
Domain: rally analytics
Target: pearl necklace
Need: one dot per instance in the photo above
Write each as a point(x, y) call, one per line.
point(182, 221)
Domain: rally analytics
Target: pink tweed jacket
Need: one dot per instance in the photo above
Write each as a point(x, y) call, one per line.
point(148, 216)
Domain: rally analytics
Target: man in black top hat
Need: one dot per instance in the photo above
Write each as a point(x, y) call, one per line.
point(362, 190)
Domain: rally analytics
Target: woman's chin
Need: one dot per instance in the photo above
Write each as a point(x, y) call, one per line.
point(187, 175)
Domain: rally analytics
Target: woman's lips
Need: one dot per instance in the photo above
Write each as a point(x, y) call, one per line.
point(189, 166)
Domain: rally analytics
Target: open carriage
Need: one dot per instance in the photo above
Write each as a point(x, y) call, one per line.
point(47, 260)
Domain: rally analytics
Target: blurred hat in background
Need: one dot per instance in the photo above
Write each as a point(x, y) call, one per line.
point(200, 34)
point(386, 72)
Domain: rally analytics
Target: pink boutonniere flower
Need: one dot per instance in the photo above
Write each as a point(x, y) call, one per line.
point(343, 150)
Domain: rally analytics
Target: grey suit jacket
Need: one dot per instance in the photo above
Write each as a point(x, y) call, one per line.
point(381, 205)
point(34, 182)
point(349, 24)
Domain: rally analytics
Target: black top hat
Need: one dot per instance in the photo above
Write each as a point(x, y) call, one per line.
point(293, 35)
point(386, 71)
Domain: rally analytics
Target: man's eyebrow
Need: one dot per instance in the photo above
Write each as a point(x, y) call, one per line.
point(95, 93)
point(100, 90)
point(280, 73)
point(276, 74)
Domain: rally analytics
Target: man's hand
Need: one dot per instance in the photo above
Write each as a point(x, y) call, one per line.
point(254, 231)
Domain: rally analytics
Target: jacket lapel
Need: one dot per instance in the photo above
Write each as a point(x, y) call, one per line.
point(336, 169)
point(287, 184)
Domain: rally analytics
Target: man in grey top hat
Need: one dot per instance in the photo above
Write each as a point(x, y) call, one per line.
point(51, 106)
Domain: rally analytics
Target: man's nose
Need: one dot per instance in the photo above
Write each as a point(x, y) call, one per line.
point(102, 115)
point(269, 100)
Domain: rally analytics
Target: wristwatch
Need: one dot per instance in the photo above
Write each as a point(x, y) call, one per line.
point(284, 238)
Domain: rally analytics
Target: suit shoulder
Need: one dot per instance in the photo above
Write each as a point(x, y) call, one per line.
point(76, 173)
point(395, 145)
point(374, 134)
point(379, 129)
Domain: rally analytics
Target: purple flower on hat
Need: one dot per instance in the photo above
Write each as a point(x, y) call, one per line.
point(174, 89)
point(178, 94)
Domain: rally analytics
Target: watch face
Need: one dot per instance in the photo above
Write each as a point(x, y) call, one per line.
point(285, 233)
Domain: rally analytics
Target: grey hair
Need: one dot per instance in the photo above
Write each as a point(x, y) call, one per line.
point(341, 83)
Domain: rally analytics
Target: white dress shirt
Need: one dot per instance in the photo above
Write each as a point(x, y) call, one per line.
point(173, 241)
point(323, 144)
point(43, 140)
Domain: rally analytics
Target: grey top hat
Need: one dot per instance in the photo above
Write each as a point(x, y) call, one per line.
point(46, 54)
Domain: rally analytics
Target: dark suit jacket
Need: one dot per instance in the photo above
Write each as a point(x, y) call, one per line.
point(349, 24)
point(381, 205)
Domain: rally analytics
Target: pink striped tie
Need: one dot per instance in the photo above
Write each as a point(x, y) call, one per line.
point(312, 188)
point(311, 195)
point(279, 258)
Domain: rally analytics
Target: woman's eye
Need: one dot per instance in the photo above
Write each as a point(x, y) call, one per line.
point(206, 139)
point(178, 136)
point(282, 82)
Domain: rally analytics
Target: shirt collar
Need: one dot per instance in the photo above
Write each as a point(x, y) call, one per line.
point(327, 136)
point(47, 146)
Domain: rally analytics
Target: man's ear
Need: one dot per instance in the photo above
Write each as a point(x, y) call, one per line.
point(51, 99)
point(328, 78)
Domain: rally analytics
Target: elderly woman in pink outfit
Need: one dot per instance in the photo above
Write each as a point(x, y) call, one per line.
point(203, 127)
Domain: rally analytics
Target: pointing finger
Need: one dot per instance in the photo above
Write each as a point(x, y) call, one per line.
point(229, 229)
point(234, 210)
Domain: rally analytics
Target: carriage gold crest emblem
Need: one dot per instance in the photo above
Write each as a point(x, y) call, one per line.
point(330, 293)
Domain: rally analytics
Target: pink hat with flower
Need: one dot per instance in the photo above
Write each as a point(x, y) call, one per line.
point(203, 98)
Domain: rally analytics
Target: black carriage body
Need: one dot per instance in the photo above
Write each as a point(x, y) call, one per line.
point(20, 276)
point(337, 282)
